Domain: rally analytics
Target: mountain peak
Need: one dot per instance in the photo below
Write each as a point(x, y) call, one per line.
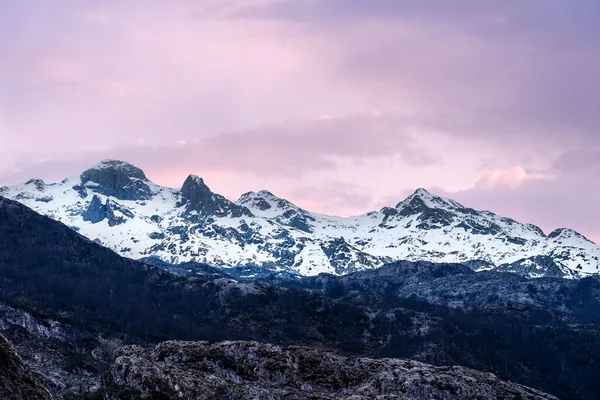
point(194, 180)
point(113, 163)
point(38, 183)
point(265, 201)
point(202, 203)
point(194, 188)
point(421, 192)
point(422, 198)
point(122, 167)
point(566, 234)
point(117, 179)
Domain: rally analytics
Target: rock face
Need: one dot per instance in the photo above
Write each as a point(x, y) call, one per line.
point(202, 204)
point(250, 370)
point(66, 360)
point(16, 380)
point(118, 179)
point(110, 211)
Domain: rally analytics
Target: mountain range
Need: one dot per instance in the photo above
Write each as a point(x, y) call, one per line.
point(116, 205)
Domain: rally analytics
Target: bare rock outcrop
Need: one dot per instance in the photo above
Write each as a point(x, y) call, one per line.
point(17, 382)
point(251, 370)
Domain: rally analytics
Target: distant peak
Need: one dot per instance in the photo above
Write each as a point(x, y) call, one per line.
point(117, 166)
point(194, 188)
point(566, 233)
point(118, 179)
point(111, 163)
point(38, 183)
point(423, 198)
point(265, 193)
point(260, 195)
point(264, 200)
point(195, 179)
point(421, 192)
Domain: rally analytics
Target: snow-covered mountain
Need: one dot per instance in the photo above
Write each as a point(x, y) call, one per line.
point(115, 204)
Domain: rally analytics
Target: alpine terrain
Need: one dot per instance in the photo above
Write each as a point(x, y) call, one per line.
point(114, 204)
point(88, 324)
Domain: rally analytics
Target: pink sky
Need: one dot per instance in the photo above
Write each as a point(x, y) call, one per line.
point(339, 106)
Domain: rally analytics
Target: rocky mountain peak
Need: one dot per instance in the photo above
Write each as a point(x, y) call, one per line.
point(195, 190)
point(265, 204)
point(38, 183)
point(202, 203)
point(264, 200)
point(567, 234)
point(125, 168)
point(117, 179)
point(422, 199)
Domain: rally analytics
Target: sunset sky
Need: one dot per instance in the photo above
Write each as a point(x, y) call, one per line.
point(341, 106)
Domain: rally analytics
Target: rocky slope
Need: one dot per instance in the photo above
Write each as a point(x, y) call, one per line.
point(115, 204)
point(250, 370)
point(67, 360)
point(17, 382)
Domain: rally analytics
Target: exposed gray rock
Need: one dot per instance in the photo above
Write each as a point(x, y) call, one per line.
point(17, 382)
point(201, 203)
point(95, 212)
point(537, 267)
point(65, 359)
point(346, 258)
point(113, 212)
point(251, 370)
point(117, 179)
point(39, 184)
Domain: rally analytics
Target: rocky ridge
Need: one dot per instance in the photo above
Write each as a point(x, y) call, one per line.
point(115, 204)
point(251, 370)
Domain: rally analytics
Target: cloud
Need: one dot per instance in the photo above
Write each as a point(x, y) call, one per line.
point(478, 98)
point(564, 201)
point(510, 178)
point(333, 198)
point(286, 149)
point(487, 69)
point(579, 161)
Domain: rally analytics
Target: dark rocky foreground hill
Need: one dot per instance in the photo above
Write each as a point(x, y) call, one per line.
point(69, 302)
point(17, 381)
point(250, 370)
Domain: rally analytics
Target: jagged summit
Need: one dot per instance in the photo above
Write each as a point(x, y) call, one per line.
point(261, 194)
point(194, 189)
point(38, 183)
point(567, 234)
point(117, 179)
point(201, 203)
point(266, 202)
point(423, 198)
point(113, 163)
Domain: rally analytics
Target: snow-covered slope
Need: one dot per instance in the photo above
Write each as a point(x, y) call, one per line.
point(115, 204)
